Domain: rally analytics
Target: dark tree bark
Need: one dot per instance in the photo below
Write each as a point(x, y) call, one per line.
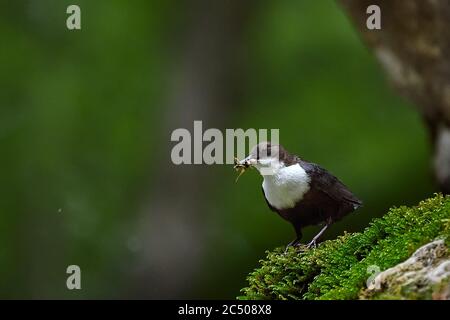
point(413, 47)
point(204, 85)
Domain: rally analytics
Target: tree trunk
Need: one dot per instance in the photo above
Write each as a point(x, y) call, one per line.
point(413, 47)
point(204, 83)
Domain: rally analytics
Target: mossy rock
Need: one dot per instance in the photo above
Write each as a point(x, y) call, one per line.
point(425, 275)
point(340, 268)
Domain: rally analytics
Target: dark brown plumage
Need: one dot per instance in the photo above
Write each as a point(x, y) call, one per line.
point(326, 200)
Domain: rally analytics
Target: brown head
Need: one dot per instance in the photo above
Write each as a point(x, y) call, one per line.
point(267, 158)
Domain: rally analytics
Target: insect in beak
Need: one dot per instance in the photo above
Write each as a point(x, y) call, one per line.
point(241, 167)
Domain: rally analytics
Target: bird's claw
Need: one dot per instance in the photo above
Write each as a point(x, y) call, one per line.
point(312, 244)
point(294, 243)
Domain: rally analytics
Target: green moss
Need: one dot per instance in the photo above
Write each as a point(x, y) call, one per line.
point(337, 269)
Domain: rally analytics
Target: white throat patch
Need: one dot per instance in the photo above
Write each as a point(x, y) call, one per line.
point(286, 187)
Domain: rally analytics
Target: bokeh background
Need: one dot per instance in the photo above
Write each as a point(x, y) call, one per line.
point(85, 124)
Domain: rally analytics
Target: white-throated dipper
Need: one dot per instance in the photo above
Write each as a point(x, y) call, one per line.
point(301, 192)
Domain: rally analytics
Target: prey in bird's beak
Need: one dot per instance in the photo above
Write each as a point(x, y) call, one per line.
point(241, 166)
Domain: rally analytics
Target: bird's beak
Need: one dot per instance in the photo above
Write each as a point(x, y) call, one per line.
point(243, 162)
point(248, 162)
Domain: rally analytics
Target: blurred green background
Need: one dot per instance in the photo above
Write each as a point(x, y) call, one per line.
point(85, 123)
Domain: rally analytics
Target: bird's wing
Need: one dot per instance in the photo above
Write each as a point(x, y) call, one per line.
point(327, 183)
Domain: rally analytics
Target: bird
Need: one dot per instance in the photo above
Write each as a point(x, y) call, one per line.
point(301, 192)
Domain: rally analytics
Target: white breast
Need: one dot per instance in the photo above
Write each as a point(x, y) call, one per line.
point(285, 188)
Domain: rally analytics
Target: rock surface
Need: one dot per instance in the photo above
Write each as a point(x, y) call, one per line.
point(425, 275)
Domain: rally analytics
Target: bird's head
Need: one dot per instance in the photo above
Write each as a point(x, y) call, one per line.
point(265, 157)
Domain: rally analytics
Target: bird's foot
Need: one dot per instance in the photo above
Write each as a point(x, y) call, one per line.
point(294, 243)
point(312, 244)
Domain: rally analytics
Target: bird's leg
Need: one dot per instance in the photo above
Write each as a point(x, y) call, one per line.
point(293, 243)
point(296, 241)
point(313, 242)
